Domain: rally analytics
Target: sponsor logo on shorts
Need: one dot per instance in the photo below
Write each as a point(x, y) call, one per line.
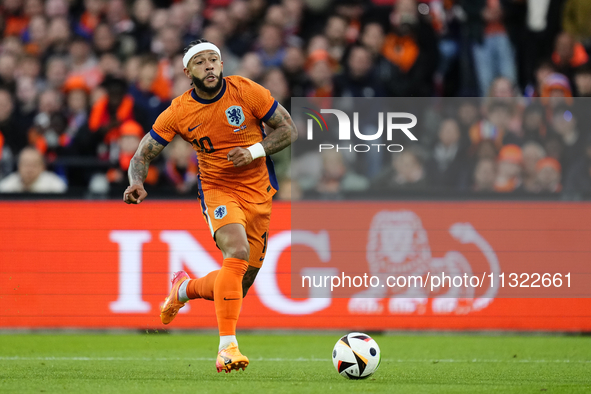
point(220, 212)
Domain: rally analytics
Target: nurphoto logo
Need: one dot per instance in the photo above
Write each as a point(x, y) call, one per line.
point(344, 131)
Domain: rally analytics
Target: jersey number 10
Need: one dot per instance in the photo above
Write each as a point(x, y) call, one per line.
point(205, 144)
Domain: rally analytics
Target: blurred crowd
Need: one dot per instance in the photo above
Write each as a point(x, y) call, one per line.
point(499, 145)
point(81, 81)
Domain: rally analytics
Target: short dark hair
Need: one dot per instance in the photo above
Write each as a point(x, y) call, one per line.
point(193, 43)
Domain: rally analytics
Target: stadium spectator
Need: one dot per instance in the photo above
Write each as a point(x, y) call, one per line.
point(568, 55)
point(320, 68)
point(58, 37)
point(42, 135)
point(564, 124)
point(556, 90)
point(534, 127)
point(503, 90)
point(293, 26)
point(180, 167)
point(238, 25)
point(484, 175)
point(142, 93)
point(359, 78)
point(35, 36)
point(542, 26)
point(548, 176)
point(141, 30)
point(494, 127)
point(578, 178)
point(104, 40)
point(31, 176)
point(107, 115)
point(336, 178)
point(271, 47)
point(372, 38)
point(26, 102)
point(467, 114)
point(84, 63)
point(8, 65)
point(502, 87)
point(445, 167)
point(77, 105)
point(29, 66)
point(446, 22)
point(251, 66)
point(583, 80)
point(109, 64)
point(543, 69)
point(167, 45)
point(55, 8)
point(407, 172)
point(411, 46)
point(56, 72)
point(14, 137)
point(491, 48)
point(129, 137)
point(117, 16)
point(90, 18)
point(509, 169)
point(533, 152)
point(15, 21)
point(293, 69)
point(277, 84)
point(336, 34)
point(575, 20)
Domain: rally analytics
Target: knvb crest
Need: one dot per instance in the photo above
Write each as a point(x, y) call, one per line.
point(235, 115)
point(220, 212)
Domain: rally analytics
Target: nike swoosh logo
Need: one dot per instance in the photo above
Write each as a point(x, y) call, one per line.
point(191, 129)
point(262, 258)
point(230, 299)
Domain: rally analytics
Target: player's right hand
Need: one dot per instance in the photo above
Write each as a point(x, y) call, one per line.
point(135, 194)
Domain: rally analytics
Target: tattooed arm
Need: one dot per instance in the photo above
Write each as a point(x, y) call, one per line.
point(138, 169)
point(283, 134)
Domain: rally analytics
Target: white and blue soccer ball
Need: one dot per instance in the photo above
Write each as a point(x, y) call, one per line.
point(356, 356)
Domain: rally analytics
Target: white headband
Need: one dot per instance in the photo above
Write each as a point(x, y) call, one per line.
point(204, 46)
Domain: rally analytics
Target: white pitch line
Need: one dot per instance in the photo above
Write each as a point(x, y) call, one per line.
point(301, 359)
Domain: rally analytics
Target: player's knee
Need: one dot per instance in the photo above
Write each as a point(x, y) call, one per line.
point(239, 252)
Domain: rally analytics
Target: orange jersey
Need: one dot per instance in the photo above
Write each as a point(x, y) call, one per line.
point(234, 118)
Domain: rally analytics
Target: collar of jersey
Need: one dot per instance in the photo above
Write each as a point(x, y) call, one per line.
point(213, 100)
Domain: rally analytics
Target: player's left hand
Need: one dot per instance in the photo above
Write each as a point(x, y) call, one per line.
point(240, 157)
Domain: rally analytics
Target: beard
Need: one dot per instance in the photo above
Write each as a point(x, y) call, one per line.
point(200, 84)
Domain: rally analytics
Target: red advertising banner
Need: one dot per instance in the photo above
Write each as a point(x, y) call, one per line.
point(74, 264)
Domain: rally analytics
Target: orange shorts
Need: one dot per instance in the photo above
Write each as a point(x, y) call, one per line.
point(221, 208)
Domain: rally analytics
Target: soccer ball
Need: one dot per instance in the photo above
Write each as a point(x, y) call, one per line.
point(356, 356)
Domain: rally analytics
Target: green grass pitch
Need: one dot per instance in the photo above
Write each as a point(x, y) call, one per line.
point(184, 363)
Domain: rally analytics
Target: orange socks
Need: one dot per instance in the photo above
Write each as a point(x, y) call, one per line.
point(202, 287)
point(228, 294)
point(226, 284)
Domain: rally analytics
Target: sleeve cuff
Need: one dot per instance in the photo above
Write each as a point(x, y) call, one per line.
point(270, 112)
point(158, 138)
